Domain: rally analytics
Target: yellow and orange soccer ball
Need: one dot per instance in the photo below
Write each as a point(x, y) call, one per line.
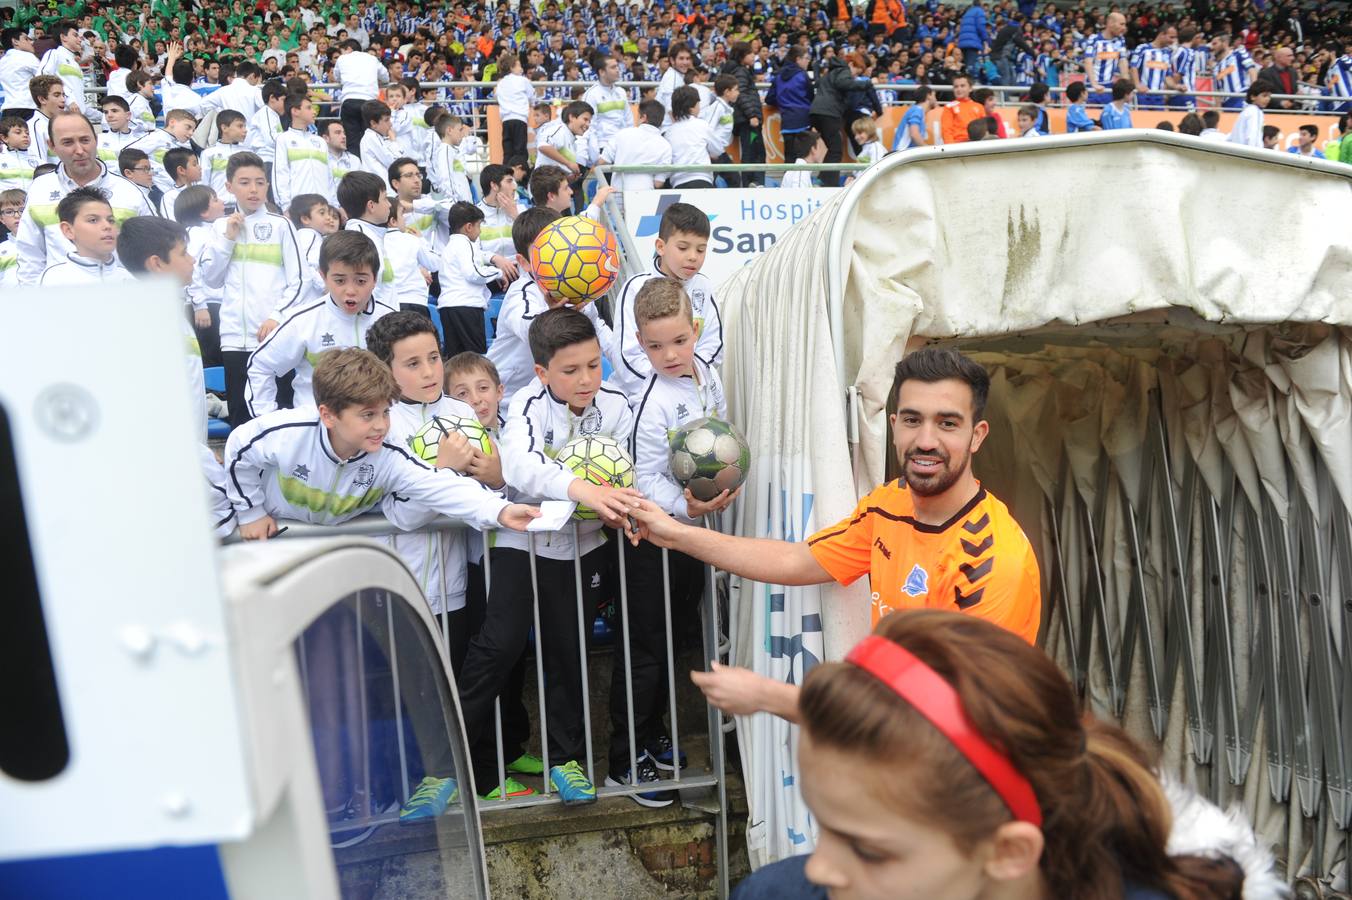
point(574, 258)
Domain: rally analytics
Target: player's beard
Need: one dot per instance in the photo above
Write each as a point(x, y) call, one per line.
point(940, 480)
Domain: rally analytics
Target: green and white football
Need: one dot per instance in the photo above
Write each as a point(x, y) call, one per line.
point(600, 459)
point(426, 440)
point(709, 456)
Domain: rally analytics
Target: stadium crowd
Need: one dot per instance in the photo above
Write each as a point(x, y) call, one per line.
point(308, 226)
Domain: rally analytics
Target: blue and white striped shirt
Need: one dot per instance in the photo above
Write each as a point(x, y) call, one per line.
point(1189, 62)
point(1232, 72)
point(1151, 64)
point(1340, 76)
point(1103, 54)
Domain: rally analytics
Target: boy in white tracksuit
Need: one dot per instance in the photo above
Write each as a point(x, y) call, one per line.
point(300, 159)
point(348, 262)
point(409, 257)
point(177, 132)
point(363, 197)
point(681, 247)
point(314, 219)
point(40, 240)
point(446, 168)
point(467, 270)
point(565, 400)
point(255, 260)
point(232, 128)
point(680, 389)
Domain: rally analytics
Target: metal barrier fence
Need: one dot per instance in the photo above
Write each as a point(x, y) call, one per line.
point(715, 647)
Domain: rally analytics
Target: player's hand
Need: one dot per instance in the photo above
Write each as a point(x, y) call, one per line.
point(267, 328)
point(653, 524)
point(574, 169)
point(602, 194)
point(754, 121)
point(732, 689)
point(697, 507)
point(234, 224)
point(427, 276)
point(486, 468)
point(72, 107)
point(517, 516)
point(454, 452)
point(507, 203)
point(612, 504)
point(508, 267)
point(259, 530)
point(201, 318)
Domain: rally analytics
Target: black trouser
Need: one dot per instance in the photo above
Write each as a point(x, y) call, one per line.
point(419, 308)
point(353, 125)
point(648, 644)
point(513, 140)
point(209, 338)
point(515, 719)
point(697, 185)
point(235, 363)
point(501, 641)
point(23, 112)
point(462, 327)
point(832, 131)
point(734, 179)
point(753, 151)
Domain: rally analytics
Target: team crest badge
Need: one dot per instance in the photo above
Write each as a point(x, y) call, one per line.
point(591, 421)
point(917, 583)
point(262, 231)
point(366, 476)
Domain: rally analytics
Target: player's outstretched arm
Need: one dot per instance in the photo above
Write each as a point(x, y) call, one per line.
point(760, 559)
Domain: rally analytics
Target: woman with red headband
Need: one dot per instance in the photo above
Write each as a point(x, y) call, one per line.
point(946, 759)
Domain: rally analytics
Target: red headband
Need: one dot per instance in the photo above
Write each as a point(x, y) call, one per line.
point(937, 701)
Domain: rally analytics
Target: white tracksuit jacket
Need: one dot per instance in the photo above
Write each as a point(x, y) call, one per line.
point(446, 169)
point(260, 275)
point(300, 166)
point(111, 144)
point(297, 344)
point(496, 233)
point(16, 169)
point(63, 64)
point(408, 256)
point(340, 166)
point(218, 499)
point(466, 273)
point(312, 285)
point(631, 363)
point(41, 242)
point(538, 425)
point(378, 152)
point(283, 465)
point(215, 160)
point(385, 282)
point(663, 405)
point(510, 350)
point(81, 270)
point(437, 558)
point(199, 292)
point(264, 128)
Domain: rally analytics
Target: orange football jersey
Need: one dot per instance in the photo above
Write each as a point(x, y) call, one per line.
point(979, 562)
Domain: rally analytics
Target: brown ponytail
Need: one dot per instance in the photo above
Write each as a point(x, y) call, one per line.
point(1106, 818)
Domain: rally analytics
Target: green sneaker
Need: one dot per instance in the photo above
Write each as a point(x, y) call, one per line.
point(429, 800)
point(572, 784)
point(527, 764)
point(514, 789)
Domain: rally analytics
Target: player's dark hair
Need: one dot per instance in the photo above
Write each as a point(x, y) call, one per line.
point(469, 361)
point(352, 377)
point(653, 112)
point(114, 100)
point(555, 329)
point(10, 35)
point(125, 57)
point(724, 83)
point(685, 218)
point(545, 181)
point(575, 109)
point(1261, 86)
point(446, 123)
point(490, 175)
point(1038, 92)
point(1311, 130)
point(394, 327)
point(191, 204)
point(683, 102)
point(142, 237)
point(9, 123)
point(352, 248)
point(182, 72)
point(393, 171)
point(527, 227)
point(128, 158)
point(1211, 118)
point(41, 85)
point(78, 199)
point(1123, 88)
point(1190, 124)
point(933, 364)
point(293, 102)
point(243, 160)
point(272, 90)
point(303, 205)
point(228, 117)
point(461, 214)
point(138, 79)
point(176, 158)
point(372, 111)
point(1075, 91)
point(981, 95)
point(1270, 132)
point(356, 189)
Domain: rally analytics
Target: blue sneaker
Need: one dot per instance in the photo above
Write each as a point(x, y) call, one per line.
point(659, 748)
point(647, 773)
point(429, 800)
point(572, 784)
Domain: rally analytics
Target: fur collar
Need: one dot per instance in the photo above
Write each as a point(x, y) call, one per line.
point(1203, 829)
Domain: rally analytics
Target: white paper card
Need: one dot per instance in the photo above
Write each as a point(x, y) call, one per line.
point(554, 514)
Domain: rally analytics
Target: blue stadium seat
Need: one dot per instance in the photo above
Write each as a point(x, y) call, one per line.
point(214, 379)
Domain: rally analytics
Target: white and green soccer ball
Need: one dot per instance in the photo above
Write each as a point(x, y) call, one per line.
point(600, 459)
point(427, 439)
point(709, 456)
